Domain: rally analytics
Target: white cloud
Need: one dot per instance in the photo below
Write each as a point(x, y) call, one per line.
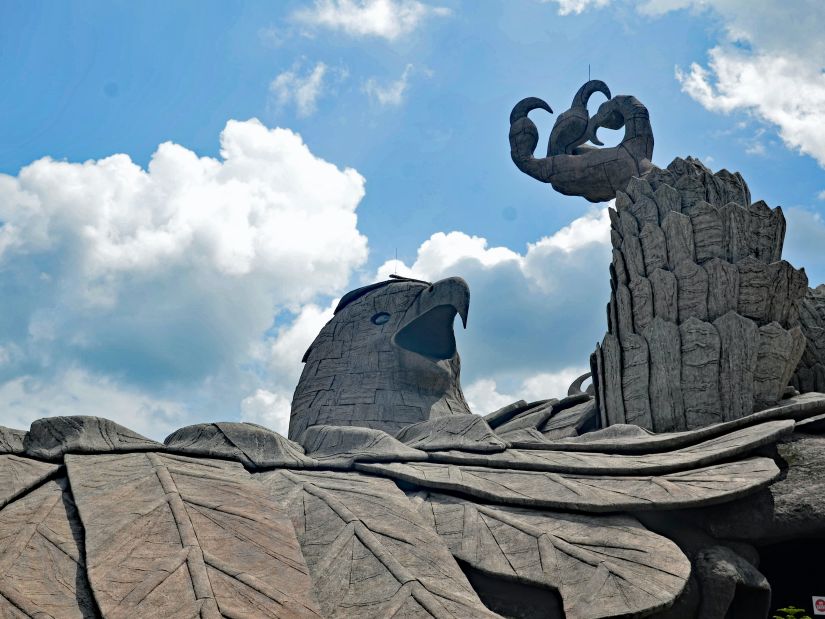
point(163, 281)
point(387, 19)
point(75, 392)
point(304, 91)
point(533, 314)
point(567, 7)
point(391, 93)
point(821, 195)
point(267, 409)
point(483, 396)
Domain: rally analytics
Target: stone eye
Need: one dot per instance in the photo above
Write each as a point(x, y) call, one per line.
point(380, 318)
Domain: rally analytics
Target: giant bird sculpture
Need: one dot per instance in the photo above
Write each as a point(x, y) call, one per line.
point(443, 514)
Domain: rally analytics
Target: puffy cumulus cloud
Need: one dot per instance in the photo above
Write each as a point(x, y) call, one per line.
point(532, 314)
point(387, 19)
point(166, 279)
point(483, 396)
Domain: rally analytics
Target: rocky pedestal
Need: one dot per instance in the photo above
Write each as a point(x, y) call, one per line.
point(703, 318)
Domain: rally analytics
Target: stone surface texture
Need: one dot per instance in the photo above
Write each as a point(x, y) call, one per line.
point(386, 360)
point(575, 168)
point(711, 332)
point(810, 374)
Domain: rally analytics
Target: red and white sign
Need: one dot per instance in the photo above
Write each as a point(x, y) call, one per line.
point(819, 604)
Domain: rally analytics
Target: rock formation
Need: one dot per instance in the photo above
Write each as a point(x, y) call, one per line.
point(703, 319)
point(810, 375)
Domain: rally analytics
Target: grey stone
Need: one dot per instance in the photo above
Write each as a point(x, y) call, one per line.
point(739, 346)
point(667, 199)
point(624, 310)
point(666, 402)
point(42, 557)
point(571, 167)
point(252, 445)
point(619, 267)
point(530, 418)
point(467, 432)
point(654, 247)
point(708, 233)
point(787, 287)
point(340, 446)
point(699, 487)
point(11, 441)
point(635, 368)
point(612, 360)
point(775, 359)
point(665, 296)
point(711, 451)
point(628, 224)
point(736, 223)
point(700, 348)
point(812, 425)
point(692, 286)
point(634, 440)
point(19, 475)
point(571, 421)
point(545, 549)
point(505, 413)
point(691, 190)
point(641, 293)
point(370, 554)
point(754, 289)
point(623, 202)
point(633, 257)
point(169, 535)
point(723, 287)
point(679, 237)
point(645, 210)
point(639, 188)
point(615, 239)
point(52, 437)
point(724, 576)
point(386, 359)
point(767, 232)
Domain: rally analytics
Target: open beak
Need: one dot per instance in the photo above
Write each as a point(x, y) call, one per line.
point(427, 327)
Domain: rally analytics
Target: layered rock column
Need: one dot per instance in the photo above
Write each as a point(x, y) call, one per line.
point(703, 319)
point(810, 375)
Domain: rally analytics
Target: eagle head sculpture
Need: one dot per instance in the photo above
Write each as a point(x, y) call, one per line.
point(386, 359)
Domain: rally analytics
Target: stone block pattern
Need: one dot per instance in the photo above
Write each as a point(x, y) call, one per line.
point(810, 373)
point(704, 315)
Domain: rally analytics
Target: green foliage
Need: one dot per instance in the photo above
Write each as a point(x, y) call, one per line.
point(791, 612)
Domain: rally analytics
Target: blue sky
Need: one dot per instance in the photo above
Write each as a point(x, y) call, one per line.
point(170, 258)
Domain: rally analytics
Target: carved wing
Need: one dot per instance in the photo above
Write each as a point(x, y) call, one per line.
point(588, 493)
point(602, 566)
point(42, 571)
point(170, 536)
point(369, 552)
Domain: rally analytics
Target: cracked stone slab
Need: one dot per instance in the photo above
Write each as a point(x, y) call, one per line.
point(369, 552)
point(11, 440)
point(252, 445)
point(341, 446)
point(467, 432)
point(724, 447)
point(589, 493)
point(601, 565)
point(19, 475)
point(632, 439)
point(505, 413)
point(52, 437)
point(528, 419)
point(42, 563)
point(168, 535)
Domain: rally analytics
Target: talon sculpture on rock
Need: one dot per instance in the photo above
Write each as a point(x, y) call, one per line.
point(571, 166)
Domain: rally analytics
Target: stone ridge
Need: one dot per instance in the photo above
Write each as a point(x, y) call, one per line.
point(703, 324)
point(810, 374)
